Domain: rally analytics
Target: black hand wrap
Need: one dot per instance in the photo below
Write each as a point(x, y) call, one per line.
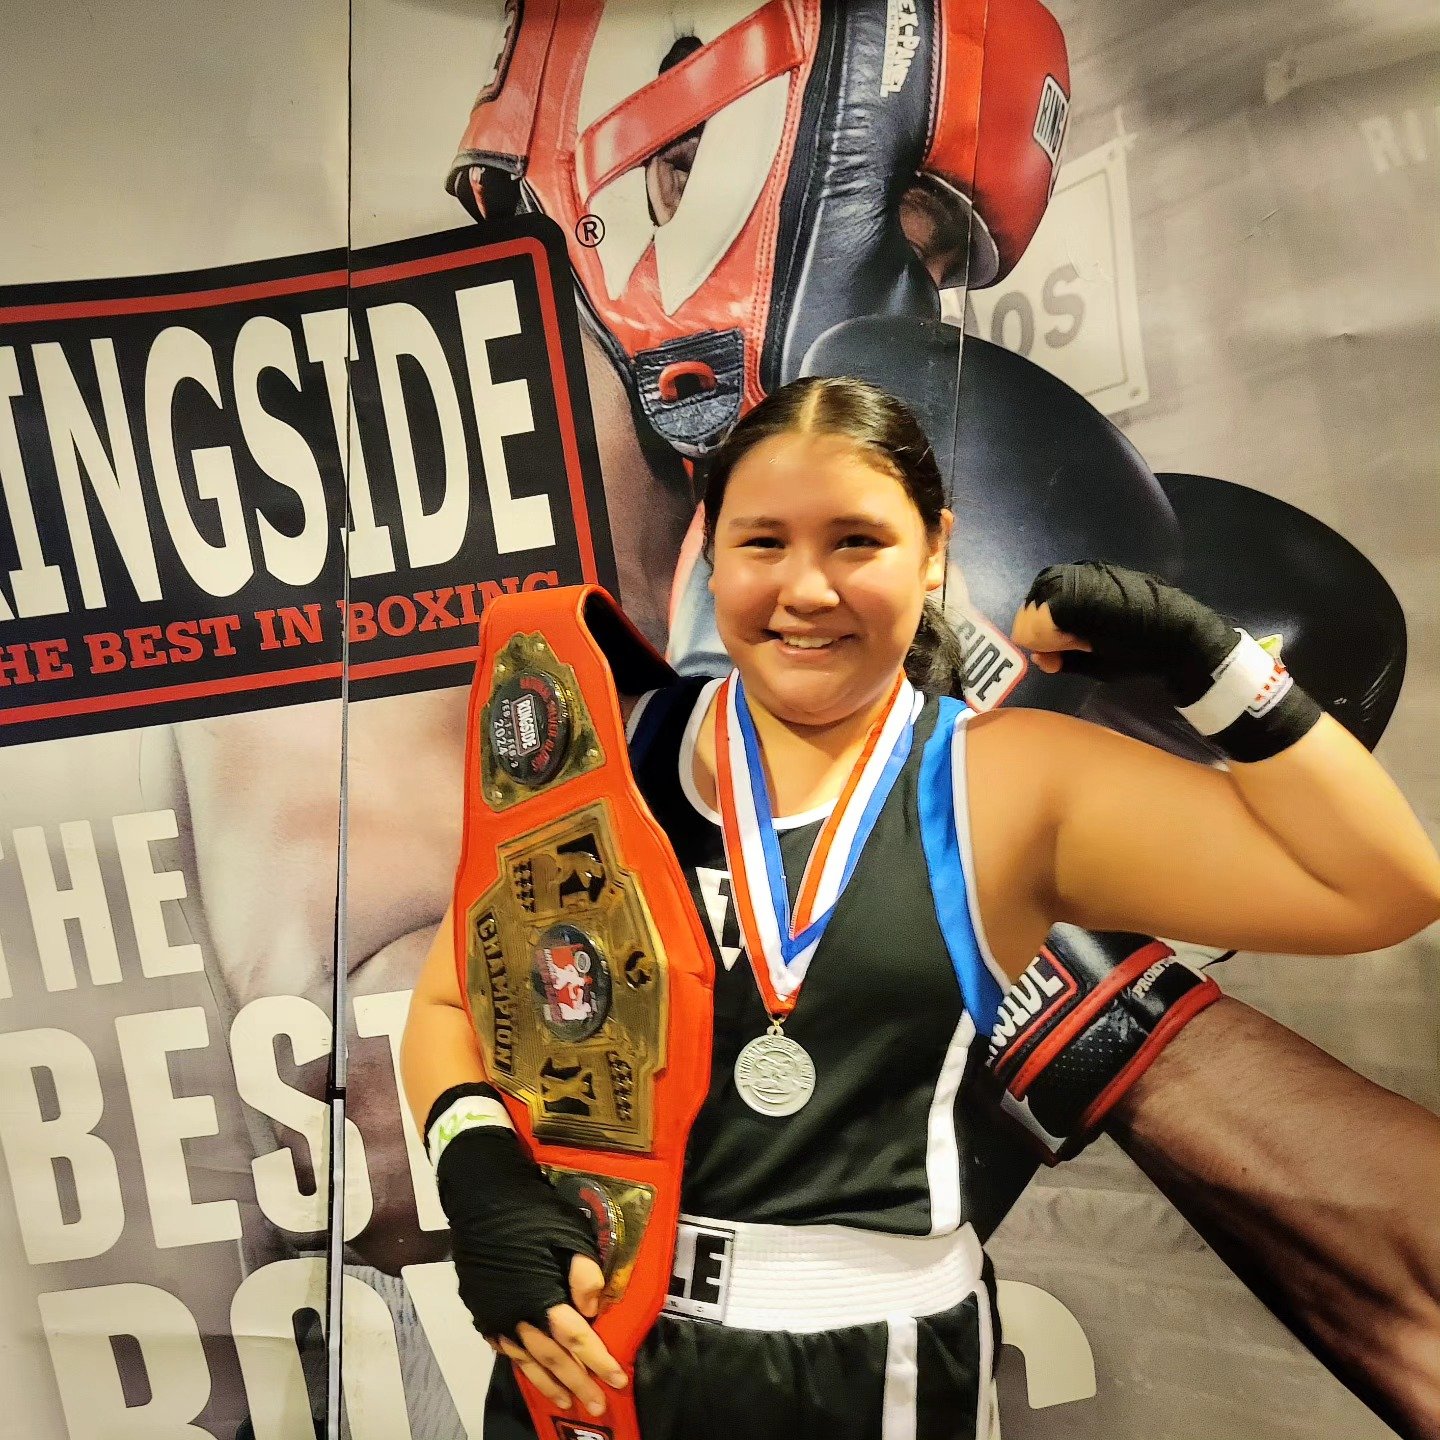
point(1082, 1024)
point(511, 1234)
point(1218, 676)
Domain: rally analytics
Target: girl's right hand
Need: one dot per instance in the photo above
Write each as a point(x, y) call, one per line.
point(526, 1263)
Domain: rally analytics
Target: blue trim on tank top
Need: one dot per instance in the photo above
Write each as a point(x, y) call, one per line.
point(941, 843)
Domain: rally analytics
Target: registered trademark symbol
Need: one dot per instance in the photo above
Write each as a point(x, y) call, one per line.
point(590, 231)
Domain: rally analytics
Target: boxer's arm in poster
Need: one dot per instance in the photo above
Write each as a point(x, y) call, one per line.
point(1302, 1175)
point(1316, 1186)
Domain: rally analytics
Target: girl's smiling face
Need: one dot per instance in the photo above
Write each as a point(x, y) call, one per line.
point(821, 567)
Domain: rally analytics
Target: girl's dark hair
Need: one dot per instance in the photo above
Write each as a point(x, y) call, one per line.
point(885, 427)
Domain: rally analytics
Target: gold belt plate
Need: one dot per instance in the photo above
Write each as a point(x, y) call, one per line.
point(566, 975)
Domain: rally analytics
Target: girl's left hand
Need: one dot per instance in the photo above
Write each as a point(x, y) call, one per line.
point(1035, 630)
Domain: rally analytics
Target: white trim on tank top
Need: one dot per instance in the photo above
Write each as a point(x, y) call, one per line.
point(942, 1144)
point(636, 711)
point(959, 771)
point(687, 770)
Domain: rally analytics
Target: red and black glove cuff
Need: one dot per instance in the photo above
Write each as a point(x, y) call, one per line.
point(1082, 1024)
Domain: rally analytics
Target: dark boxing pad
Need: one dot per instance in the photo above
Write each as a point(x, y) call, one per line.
point(1291, 581)
point(1278, 571)
point(1039, 475)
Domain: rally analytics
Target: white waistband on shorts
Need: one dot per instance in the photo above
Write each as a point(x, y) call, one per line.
point(819, 1277)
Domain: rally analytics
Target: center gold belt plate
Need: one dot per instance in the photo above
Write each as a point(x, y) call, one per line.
point(566, 978)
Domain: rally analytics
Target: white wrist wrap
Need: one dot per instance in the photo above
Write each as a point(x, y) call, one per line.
point(465, 1114)
point(1249, 679)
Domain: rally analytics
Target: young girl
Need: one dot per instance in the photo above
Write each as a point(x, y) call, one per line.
point(859, 1185)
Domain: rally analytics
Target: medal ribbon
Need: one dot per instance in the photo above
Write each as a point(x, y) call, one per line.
point(780, 941)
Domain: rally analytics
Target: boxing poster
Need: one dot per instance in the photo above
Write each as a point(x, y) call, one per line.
point(261, 469)
point(247, 471)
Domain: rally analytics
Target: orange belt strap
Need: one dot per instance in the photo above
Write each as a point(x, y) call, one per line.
point(583, 962)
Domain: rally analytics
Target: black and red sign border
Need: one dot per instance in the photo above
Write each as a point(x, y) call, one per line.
point(532, 238)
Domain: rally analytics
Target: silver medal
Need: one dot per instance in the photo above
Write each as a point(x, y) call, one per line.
point(774, 1075)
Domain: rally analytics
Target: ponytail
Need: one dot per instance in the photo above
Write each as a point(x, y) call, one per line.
point(935, 663)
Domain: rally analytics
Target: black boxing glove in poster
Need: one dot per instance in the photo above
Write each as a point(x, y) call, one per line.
point(1082, 1024)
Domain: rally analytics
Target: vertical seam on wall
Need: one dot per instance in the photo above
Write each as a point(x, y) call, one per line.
point(335, 1250)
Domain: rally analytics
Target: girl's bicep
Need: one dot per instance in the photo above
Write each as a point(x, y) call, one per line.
point(1146, 841)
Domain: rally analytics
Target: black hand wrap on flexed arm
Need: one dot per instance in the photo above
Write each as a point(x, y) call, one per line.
point(1137, 623)
point(1219, 678)
point(512, 1234)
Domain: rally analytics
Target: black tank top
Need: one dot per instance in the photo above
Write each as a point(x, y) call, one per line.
point(893, 1139)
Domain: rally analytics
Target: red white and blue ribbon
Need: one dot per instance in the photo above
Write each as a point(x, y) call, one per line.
point(781, 940)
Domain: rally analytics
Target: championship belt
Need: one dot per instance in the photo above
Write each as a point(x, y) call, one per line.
point(584, 966)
